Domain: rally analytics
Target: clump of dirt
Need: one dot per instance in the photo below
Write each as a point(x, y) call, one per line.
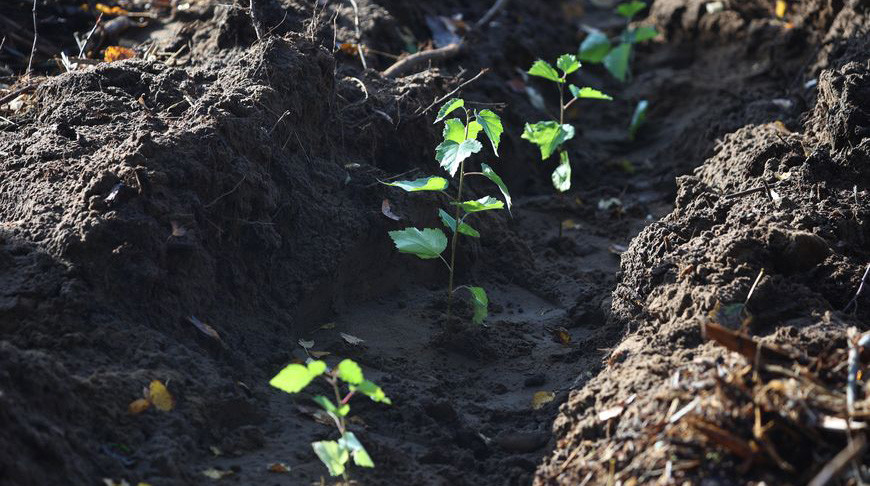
point(770, 203)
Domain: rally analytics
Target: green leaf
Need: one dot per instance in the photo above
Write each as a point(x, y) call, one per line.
point(495, 178)
point(595, 47)
point(424, 184)
point(588, 93)
point(326, 404)
point(568, 63)
point(491, 124)
point(344, 410)
point(451, 154)
point(332, 455)
point(426, 244)
point(474, 128)
point(372, 391)
point(630, 9)
point(638, 118)
point(617, 61)
point(449, 107)
point(454, 130)
point(350, 372)
point(293, 378)
point(480, 302)
point(450, 222)
point(544, 70)
point(641, 34)
point(562, 175)
point(548, 135)
point(485, 203)
point(360, 456)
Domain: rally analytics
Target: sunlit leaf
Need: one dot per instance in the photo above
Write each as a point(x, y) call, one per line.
point(588, 93)
point(451, 154)
point(450, 222)
point(160, 397)
point(548, 136)
point(543, 69)
point(372, 391)
point(491, 124)
point(562, 175)
point(485, 203)
point(480, 303)
point(617, 61)
point(568, 63)
point(638, 118)
point(294, 377)
point(423, 184)
point(454, 130)
point(542, 398)
point(332, 455)
point(426, 243)
point(630, 9)
point(496, 179)
point(357, 451)
point(594, 47)
point(350, 372)
point(118, 53)
point(449, 107)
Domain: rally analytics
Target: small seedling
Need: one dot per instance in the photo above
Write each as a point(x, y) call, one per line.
point(638, 118)
point(616, 57)
point(550, 136)
point(460, 143)
point(334, 454)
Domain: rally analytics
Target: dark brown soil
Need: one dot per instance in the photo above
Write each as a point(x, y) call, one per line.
point(237, 182)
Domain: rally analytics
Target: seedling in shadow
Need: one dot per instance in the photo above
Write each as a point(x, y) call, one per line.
point(616, 57)
point(550, 136)
point(334, 454)
point(460, 143)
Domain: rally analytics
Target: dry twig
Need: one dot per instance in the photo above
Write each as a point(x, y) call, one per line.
point(408, 64)
point(35, 37)
point(454, 91)
point(498, 5)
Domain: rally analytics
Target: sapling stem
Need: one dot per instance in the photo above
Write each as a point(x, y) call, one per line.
point(333, 380)
point(455, 238)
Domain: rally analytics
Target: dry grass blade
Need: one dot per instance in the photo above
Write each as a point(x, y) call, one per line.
point(747, 346)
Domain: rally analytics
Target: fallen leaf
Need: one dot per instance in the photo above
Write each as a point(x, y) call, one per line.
point(177, 229)
point(351, 339)
point(118, 53)
point(388, 211)
point(328, 325)
point(306, 344)
point(107, 10)
point(562, 336)
point(610, 203)
point(318, 354)
point(617, 249)
point(278, 467)
point(138, 406)
point(570, 224)
point(204, 328)
point(112, 482)
point(610, 413)
point(217, 473)
point(214, 450)
point(160, 397)
point(542, 398)
point(348, 48)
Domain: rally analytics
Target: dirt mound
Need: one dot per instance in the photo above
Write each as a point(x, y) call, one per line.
point(769, 199)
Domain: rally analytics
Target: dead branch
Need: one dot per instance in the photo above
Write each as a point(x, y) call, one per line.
point(35, 37)
point(854, 301)
point(836, 465)
point(254, 20)
point(410, 63)
point(14, 94)
point(498, 5)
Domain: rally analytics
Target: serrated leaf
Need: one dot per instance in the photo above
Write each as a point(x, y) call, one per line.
point(630, 9)
point(491, 124)
point(454, 130)
point(617, 61)
point(496, 179)
point(642, 34)
point(332, 455)
point(474, 129)
point(423, 184)
point(480, 302)
point(350, 372)
point(562, 175)
point(638, 118)
point(294, 377)
point(427, 243)
point(449, 107)
point(372, 391)
point(548, 136)
point(588, 93)
point(568, 63)
point(543, 69)
point(485, 203)
point(450, 222)
point(594, 47)
point(358, 452)
point(451, 154)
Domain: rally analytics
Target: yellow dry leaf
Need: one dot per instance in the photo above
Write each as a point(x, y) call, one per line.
point(160, 396)
point(542, 398)
point(118, 53)
point(138, 406)
point(107, 10)
point(781, 7)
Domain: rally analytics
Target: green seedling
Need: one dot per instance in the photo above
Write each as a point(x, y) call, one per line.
point(638, 118)
point(616, 56)
point(550, 136)
point(334, 454)
point(460, 143)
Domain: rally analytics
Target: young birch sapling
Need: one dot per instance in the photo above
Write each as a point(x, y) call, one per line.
point(460, 143)
point(334, 454)
point(550, 136)
point(616, 57)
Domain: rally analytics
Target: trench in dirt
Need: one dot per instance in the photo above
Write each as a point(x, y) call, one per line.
point(278, 243)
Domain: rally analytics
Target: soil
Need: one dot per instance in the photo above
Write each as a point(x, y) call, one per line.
point(235, 181)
